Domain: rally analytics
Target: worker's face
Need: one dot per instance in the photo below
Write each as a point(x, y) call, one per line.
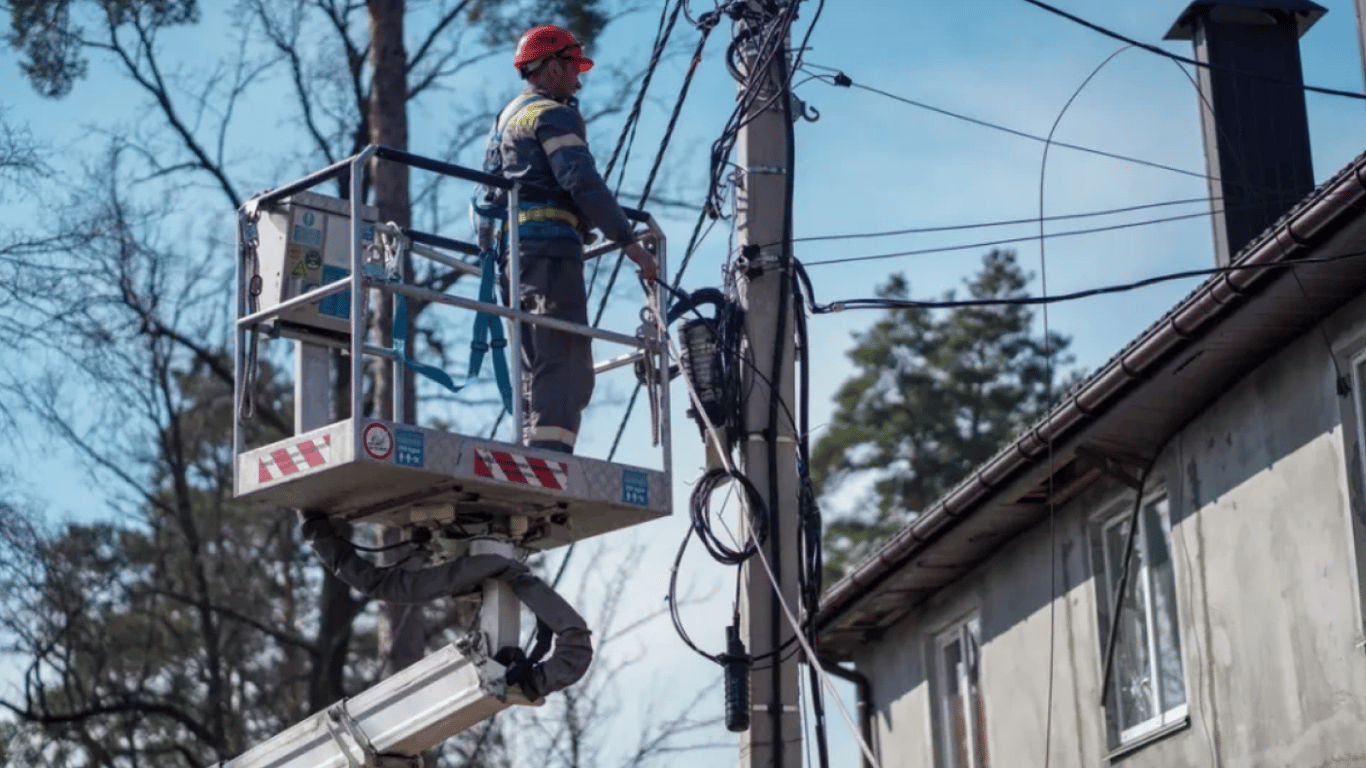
point(563, 80)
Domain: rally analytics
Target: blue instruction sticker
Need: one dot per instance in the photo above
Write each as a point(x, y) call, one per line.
point(308, 236)
point(408, 447)
point(635, 487)
point(338, 304)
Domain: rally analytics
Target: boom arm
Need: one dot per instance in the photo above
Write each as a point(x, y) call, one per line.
point(389, 724)
point(392, 723)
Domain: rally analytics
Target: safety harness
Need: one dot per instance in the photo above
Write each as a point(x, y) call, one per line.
point(538, 216)
point(488, 329)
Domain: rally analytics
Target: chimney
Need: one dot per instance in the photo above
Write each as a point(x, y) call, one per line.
point(1257, 138)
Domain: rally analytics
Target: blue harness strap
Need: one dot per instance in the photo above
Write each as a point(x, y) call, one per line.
point(486, 325)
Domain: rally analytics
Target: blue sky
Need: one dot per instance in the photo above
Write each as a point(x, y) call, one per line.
point(868, 164)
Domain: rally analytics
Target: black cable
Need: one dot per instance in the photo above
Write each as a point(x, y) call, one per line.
point(633, 117)
point(632, 124)
point(1154, 49)
point(744, 112)
point(1059, 298)
point(1010, 240)
point(999, 223)
point(842, 80)
point(659, 158)
point(701, 517)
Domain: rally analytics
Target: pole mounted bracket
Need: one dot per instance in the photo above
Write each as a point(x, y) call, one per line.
point(1113, 465)
point(753, 261)
point(352, 740)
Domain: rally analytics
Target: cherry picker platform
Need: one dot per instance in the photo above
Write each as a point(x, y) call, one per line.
point(309, 262)
point(306, 265)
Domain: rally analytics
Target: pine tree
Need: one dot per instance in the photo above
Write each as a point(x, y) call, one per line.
point(936, 393)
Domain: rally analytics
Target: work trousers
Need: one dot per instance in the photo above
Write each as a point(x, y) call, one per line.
point(557, 367)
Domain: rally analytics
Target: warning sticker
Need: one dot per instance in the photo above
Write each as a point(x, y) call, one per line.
point(635, 487)
point(408, 447)
point(377, 441)
point(299, 270)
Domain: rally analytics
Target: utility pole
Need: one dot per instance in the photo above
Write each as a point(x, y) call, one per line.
point(774, 738)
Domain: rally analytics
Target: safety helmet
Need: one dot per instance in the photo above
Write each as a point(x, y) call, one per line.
point(547, 40)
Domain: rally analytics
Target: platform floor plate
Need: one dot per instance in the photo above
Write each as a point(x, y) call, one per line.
point(403, 475)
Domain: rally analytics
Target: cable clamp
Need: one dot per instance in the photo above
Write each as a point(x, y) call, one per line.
point(753, 262)
point(764, 437)
point(771, 708)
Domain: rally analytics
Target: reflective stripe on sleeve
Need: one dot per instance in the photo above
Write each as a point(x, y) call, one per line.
point(557, 143)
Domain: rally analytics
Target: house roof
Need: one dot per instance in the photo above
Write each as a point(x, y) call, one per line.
point(1125, 410)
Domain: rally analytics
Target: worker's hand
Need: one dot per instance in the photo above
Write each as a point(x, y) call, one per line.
point(643, 259)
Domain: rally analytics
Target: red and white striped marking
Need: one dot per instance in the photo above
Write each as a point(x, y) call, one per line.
point(515, 468)
point(297, 457)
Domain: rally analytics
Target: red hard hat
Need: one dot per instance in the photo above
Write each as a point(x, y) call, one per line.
point(546, 40)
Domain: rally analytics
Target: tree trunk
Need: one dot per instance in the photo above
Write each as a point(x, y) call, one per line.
point(400, 628)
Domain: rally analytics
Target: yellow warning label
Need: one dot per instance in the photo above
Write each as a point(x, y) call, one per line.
point(300, 269)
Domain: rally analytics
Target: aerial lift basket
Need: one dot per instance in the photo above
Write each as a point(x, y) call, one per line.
point(308, 264)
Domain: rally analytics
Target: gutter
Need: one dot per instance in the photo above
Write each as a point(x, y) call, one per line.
point(864, 688)
point(1284, 241)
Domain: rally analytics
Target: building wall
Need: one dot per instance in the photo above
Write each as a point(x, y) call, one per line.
point(1266, 542)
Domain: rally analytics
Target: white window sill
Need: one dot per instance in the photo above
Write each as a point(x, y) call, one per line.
point(1156, 734)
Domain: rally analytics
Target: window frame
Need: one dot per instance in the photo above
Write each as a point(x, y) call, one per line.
point(1355, 362)
point(1353, 355)
point(1115, 515)
point(967, 633)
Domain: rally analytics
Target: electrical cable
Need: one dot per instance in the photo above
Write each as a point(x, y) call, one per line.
point(632, 124)
point(1048, 400)
point(1059, 298)
point(823, 676)
point(1011, 240)
point(1184, 60)
point(661, 42)
point(842, 80)
point(998, 223)
point(659, 157)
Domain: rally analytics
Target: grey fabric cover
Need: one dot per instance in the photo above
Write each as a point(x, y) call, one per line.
point(573, 641)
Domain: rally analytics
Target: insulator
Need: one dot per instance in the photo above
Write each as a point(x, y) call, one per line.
point(737, 681)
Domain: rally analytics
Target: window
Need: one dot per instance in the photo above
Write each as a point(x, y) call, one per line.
point(963, 728)
point(1359, 381)
point(1147, 685)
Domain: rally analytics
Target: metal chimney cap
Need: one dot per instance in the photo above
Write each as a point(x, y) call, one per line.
point(1245, 12)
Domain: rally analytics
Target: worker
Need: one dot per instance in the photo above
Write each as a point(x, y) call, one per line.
point(540, 140)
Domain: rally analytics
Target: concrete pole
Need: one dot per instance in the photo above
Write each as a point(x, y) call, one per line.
point(774, 738)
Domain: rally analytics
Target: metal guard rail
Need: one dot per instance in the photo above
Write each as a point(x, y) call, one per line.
point(357, 282)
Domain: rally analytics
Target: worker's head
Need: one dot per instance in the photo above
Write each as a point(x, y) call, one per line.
point(551, 59)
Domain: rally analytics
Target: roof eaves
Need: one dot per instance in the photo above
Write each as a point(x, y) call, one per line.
point(1291, 236)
